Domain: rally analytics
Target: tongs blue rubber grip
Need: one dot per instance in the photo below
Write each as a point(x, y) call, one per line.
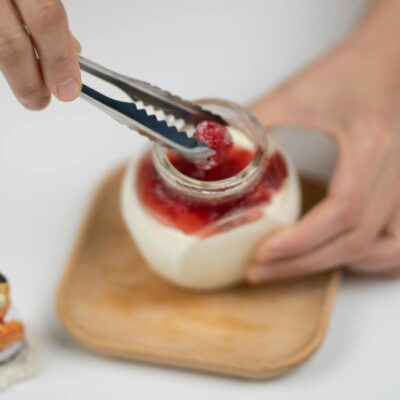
point(150, 122)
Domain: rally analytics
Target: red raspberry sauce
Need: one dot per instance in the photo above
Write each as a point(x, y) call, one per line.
point(191, 216)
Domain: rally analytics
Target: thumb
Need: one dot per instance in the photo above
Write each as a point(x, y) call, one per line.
point(271, 109)
point(292, 104)
point(281, 106)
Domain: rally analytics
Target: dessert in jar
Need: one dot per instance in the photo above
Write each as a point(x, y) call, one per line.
point(198, 225)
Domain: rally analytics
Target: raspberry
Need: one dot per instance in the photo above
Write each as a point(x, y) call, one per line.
point(218, 138)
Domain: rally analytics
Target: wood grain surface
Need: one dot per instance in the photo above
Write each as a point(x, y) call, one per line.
point(113, 304)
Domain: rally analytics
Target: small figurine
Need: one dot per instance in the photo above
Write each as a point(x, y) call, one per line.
point(11, 332)
point(19, 347)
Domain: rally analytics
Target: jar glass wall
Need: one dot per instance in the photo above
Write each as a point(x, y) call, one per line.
point(215, 254)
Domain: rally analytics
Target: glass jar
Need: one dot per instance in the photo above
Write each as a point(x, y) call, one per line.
point(211, 250)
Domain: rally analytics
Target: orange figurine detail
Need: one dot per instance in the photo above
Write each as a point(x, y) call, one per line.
point(11, 332)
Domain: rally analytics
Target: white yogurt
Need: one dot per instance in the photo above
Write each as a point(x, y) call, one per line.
point(215, 261)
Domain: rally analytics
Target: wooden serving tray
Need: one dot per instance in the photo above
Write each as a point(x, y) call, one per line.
point(113, 304)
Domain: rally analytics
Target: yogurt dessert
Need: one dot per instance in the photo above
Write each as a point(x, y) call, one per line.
point(197, 225)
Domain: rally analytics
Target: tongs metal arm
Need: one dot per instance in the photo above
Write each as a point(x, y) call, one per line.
point(139, 119)
point(151, 95)
point(158, 131)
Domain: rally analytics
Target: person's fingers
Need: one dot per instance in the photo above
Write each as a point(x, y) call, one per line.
point(311, 263)
point(48, 26)
point(338, 252)
point(307, 234)
point(341, 250)
point(384, 256)
point(352, 189)
point(338, 213)
point(18, 61)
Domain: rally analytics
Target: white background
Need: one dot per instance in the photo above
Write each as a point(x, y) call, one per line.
point(51, 162)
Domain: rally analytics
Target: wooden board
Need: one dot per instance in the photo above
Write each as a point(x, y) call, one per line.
point(113, 304)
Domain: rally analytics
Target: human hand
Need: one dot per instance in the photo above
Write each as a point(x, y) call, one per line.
point(38, 52)
point(353, 95)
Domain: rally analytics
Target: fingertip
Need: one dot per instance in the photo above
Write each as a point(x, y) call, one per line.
point(37, 104)
point(69, 89)
point(268, 250)
point(395, 274)
point(272, 246)
point(257, 274)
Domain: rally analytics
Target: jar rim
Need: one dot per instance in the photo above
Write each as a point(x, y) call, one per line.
point(227, 187)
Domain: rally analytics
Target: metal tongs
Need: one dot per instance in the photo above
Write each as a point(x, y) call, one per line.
point(159, 115)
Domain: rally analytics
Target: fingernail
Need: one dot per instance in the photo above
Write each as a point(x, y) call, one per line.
point(68, 90)
point(76, 43)
point(78, 46)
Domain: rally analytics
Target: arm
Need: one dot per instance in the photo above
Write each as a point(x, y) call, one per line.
point(353, 95)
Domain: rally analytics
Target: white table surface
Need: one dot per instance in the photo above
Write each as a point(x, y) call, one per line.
point(51, 162)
